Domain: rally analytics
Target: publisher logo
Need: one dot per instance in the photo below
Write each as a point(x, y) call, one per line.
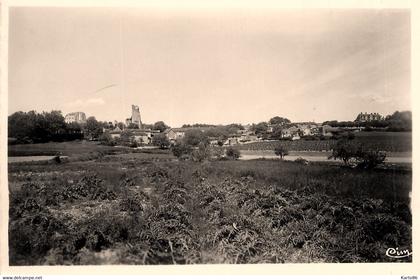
point(397, 253)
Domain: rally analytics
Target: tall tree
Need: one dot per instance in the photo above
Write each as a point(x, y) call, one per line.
point(161, 141)
point(279, 121)
point(93, 128)
point(194, 137)
point(160, 125)
point(260, 128)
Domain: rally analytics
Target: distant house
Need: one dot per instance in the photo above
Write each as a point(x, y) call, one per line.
point(290, 132)
point(304, 129)
point(77, 117)
point(115, 133)
point(214, 142)
point(142, 137)
point(174, 134)
point(368, 117)
point(231, 141)
point(307, 128)
point(327, 130)
point(316, 130)
point(248, 138)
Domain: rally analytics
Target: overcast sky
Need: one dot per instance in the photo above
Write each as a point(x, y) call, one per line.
point(214, 66)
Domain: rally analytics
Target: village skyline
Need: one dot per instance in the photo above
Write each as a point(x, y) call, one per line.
point(196, 123)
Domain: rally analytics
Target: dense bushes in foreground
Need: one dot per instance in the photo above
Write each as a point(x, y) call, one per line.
point(214, 212)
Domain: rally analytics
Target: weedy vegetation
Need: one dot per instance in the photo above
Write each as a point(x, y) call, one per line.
point(149, 208)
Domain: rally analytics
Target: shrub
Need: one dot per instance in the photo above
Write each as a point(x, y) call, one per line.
point(193, 137)
point(217, 153)
point(350, 135)
point(181, 150)
point(233, 153)
point(161, 141)
point(281, 151)
point(349, 151)
point(370, 158)
point(345, 151)
point(201, 153)
point(301, 160)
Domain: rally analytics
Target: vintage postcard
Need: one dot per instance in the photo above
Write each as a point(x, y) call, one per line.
point(241, 137)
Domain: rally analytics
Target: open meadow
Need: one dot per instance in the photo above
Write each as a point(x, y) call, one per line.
point(146, 207)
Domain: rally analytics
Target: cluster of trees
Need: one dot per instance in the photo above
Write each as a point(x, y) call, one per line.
point(197, 125)
point(277, 123)
point(33, 127)
point(352, 153)
point(161, 141)
point(219, 132)
point(356, 154)
point(126, 139)
point(160, 125)
point(222, 132)
point(195, 146)
point(398, 121)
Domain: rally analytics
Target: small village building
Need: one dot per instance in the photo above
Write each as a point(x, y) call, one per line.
point(231, 141)
point(295, 137)
point(289, 132)
point(307, 128)
point(368, 117)
point(328, 131)
point(174, 134)
point(214, 142)
point(115, 133)
point(305, 131)
point(248, 138)
point(77, 117)
point(142, 137)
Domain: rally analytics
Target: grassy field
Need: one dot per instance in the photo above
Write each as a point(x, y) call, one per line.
point(145, 208)
point(71, 149)
point(384, 141)
point(85, 150)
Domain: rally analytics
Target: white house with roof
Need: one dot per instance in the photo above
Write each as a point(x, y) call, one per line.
point(115, 133)
point(289, 132)
point(173, 134)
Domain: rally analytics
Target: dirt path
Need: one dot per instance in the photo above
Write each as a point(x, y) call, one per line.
point(316, 156)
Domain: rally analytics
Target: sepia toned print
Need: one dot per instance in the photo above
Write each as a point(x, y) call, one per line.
point(153, 136)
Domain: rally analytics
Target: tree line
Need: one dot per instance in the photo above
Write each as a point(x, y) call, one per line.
point(398, 121)
point(33, 127)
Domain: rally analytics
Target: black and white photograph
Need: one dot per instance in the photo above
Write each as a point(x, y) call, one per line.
point(179, 135)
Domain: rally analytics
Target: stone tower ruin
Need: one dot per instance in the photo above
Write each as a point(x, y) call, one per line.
point(135, 115)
